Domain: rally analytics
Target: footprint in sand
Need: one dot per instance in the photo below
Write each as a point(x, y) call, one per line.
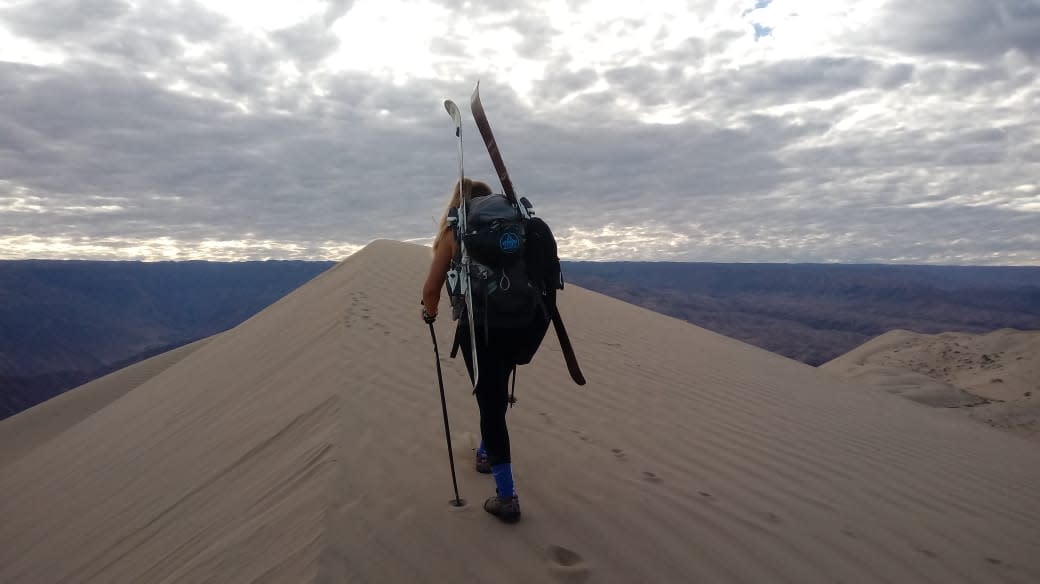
point(772, 517)
point(581, 436)
point(620, 454)
point(567, 565)
point(651, 478)
point(926, 552)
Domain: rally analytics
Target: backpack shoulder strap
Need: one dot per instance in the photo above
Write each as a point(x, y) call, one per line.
point(455, 344)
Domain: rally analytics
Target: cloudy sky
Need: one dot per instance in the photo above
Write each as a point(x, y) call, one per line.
point(895, 131)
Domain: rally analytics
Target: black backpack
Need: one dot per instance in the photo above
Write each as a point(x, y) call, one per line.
point(514, 271)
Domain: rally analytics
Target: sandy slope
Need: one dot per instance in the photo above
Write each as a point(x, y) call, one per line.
point(30, 428)
point(306, 445)
point(993, 378)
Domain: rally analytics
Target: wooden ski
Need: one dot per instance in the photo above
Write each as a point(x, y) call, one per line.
point(507, 186)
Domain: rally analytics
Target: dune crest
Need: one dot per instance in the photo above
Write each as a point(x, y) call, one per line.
point(307, 445)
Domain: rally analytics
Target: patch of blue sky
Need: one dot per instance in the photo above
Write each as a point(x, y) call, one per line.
point(759, 5)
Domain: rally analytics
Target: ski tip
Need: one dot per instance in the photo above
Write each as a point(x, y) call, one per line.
point(456, 115)
point(476, 92)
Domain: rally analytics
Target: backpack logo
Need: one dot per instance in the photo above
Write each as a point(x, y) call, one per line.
point(509, 242)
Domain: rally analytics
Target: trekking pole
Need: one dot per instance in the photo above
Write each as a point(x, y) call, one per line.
point(457, 502)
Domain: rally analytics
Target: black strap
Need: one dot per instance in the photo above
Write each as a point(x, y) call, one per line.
point(568, 350)
point(456, 343)
point(486, 311)
point(544, 306)
point(512, 393)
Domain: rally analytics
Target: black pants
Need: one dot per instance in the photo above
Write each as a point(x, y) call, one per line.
point(495, 360)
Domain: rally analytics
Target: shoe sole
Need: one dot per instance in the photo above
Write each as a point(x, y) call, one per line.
point(507, 518)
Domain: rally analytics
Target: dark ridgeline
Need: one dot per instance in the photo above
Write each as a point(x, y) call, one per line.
point(816, 312)
point(63, 323)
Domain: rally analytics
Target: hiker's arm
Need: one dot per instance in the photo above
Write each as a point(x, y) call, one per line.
point(439, 267)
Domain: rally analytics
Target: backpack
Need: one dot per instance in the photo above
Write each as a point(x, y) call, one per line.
point(514, 271)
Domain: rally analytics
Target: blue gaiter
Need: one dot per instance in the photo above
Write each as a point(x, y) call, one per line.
point(503, 474)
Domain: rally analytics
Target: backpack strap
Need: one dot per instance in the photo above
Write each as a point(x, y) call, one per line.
point(455, 344)
point(512, 393)
point(486, 310)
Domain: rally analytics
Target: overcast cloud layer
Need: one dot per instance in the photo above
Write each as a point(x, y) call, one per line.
point(882, 131)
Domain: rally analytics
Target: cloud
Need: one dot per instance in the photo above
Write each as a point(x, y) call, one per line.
point(972, 30)
point(308, 43)
point(803, 80)
point(65, 19)
point(336, 10)
point(851, 133)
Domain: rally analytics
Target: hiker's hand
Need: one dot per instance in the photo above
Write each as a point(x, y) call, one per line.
point(427, 316)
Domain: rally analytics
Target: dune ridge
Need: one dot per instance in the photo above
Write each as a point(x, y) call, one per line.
point(306, 445)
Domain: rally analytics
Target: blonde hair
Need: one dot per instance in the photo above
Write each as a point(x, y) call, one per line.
point(472, 188)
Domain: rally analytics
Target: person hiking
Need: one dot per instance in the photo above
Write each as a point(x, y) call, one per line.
point(497, 350)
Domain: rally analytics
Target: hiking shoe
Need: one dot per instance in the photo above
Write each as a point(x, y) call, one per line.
point(506, 509)
point(483, 464)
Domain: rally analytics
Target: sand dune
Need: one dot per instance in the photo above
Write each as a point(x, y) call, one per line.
point(993, 378)
point(306, 445)
point(27, 430)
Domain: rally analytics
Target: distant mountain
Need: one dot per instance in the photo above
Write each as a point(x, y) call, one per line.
point(816, 312)
point(63, 323)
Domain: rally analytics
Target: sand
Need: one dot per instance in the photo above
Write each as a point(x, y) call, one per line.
point(307, 445)
point(992, 378)
point(28, 429)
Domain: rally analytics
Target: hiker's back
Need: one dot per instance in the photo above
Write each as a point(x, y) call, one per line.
point(514, 272)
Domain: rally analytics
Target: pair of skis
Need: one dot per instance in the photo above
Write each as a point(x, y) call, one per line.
point(507, 185)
